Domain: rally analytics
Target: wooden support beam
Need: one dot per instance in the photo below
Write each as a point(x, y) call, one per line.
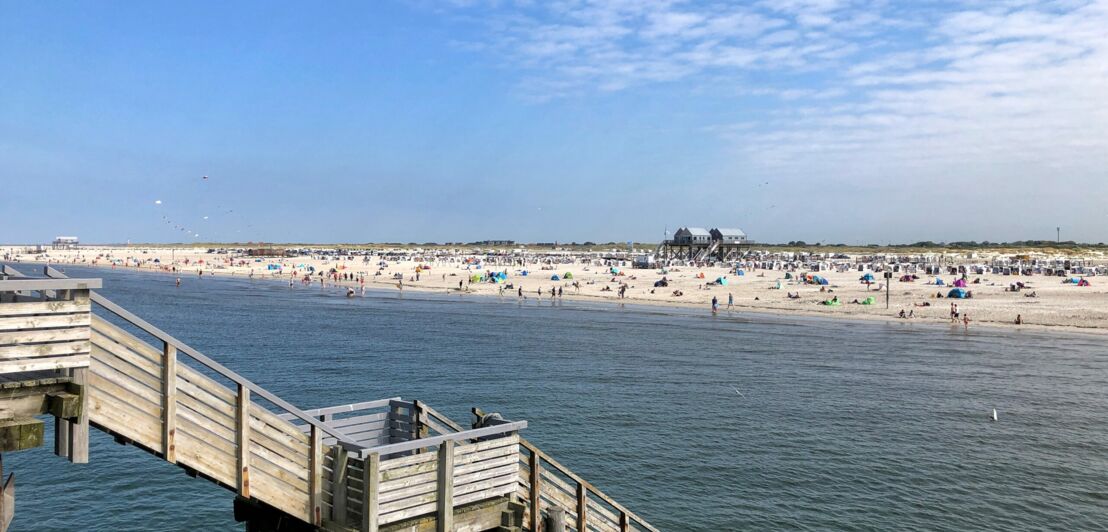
point(535, 479)
point(242, 439)
point(21, 433)
point(169, 402)
point(582, 507)
point(339, 460)
point(371, 487)
point(78, 430)
point(315, 479)
point(445, 497)
point(624, 523)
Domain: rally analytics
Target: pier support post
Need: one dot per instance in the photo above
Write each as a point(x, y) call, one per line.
point(78, 431)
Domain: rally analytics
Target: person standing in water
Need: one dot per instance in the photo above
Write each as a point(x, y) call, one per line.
point(730, 301)
point(715, 304)
point(178, 281)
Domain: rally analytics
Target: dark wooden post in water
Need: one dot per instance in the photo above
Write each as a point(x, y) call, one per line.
point(555, 521)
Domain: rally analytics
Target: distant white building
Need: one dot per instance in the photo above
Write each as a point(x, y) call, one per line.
point(66, 242)
point(728, 236)
point(692, 235)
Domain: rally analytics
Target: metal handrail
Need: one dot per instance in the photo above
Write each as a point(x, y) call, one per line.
point(346, 441)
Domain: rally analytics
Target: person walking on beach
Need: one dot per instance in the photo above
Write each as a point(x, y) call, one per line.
point(559, 291)
point(965, 321)
point(730, 301)
point(520, 291)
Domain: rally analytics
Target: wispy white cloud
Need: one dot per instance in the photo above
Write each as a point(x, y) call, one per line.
point(933, 95)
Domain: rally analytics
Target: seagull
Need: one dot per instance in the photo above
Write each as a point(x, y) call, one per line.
point(738, 392)
point(994, 414)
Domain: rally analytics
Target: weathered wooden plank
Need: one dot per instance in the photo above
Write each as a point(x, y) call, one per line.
point(280, 442)
point(277, 468)
point(52, 349)
point(104, 349)
point(81, 319)
point(104, 329)
point(278, 494)
point(40, 364)
point(110, 382)
point(44, 335)
point(122, 369)
point(124, 419)
point(196, 453)
point(461, 475)
point(202, 426)
point(404, 461)
point(43, 307)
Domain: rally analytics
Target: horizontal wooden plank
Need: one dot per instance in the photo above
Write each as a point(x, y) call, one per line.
point(108, 380)
point(277, 494)
point(42, 307)
point(103, 347)
point(206, 459)
point(122, 418)
point(102, 327)
point(404, 461)
point(44, 335)
point(52, 349)
point(278, 468)
point(40, 364)
point(125, 370)
point(35, 283)
point(45, 321)
point(275, 439)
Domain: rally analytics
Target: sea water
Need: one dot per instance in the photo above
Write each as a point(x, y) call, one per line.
point(694, 421)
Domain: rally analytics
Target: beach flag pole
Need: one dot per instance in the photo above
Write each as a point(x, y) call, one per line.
point(888, 283)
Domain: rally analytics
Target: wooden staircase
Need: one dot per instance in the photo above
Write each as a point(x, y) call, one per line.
point(381, 465)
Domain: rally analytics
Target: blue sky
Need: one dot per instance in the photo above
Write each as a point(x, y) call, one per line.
point(816, 120)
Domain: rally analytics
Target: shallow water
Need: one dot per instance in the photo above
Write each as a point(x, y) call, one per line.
point(693, 421)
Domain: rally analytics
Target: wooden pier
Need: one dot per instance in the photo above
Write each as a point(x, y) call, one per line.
point(390, 464)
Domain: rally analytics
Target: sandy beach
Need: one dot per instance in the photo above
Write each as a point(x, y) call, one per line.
point(1055, 305)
